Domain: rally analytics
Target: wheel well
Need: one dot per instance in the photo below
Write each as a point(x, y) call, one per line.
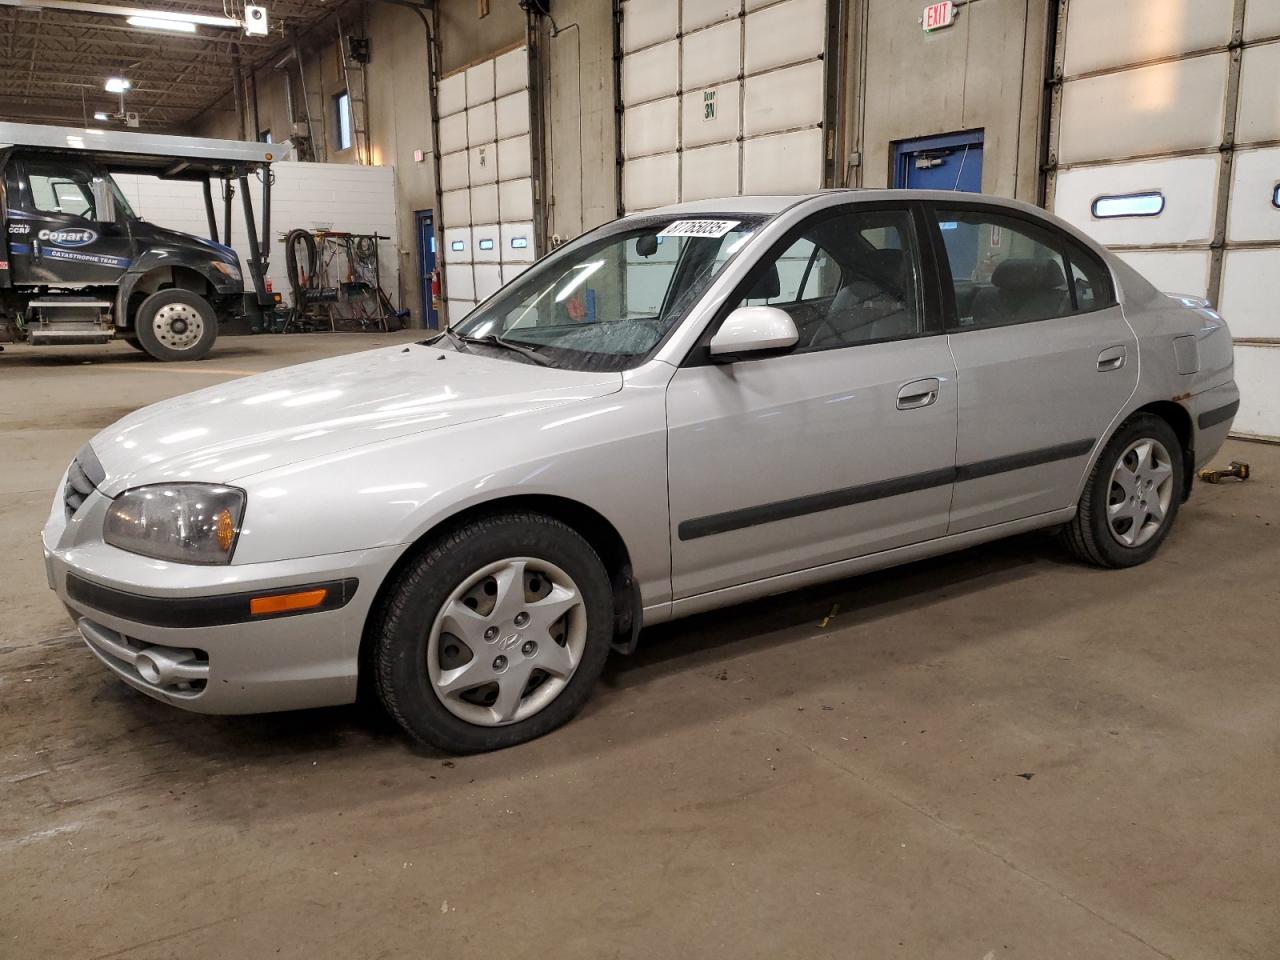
point(1180, 420)
point(163, 278)
point(586, 522)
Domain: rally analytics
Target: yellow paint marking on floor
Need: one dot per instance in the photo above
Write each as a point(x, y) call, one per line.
point(191, 369)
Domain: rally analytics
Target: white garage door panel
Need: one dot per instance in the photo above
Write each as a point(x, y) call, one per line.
point(1172, 271)
point(783, 99)
point(1189, 185)
point(481, 124)
point(451, 94)
point(785, 33)
point(1254, 215)
point(650, 182)
point(1257, 375)
point(480, 83)
point(651, 73)
point(515, 199)
point(1107, 33)
point(697, 130)
point(514, 159)
point(484, 204)
point(709, 171)
point(712, 56)
point(1157, 109)
point(1261, 20)
point(785, 163)
point(453, 133)
point(461, 283)
point(512, 270)
point(652, 127)
point(517, 243)
point(488, 280)
point(705, 12)
point(646, 22)
point(458, 309)
point(513, 115)
point(453, 170)
point(482, 164)
point(457, 207)
point(511, 72)
point(484, 241)
point(1259, 114)
point(457, 245)
point(1251, 294)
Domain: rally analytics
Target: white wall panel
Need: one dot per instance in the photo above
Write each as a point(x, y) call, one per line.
point(453, 170)
point(783, 163)
point(1254, 177)
point(482, 164)
point(1107, 33)
point(646, 22)
point(1172, 271)
point(1259, 115)
point(512, 118)
point(481, 124)
point(1189, 185)
point(451, 94)
point(484, 204)
point(783, 99)
point(453, 133)
point(514, 158)
point(1157, 109)
point(697, 130)
point(515, 199)
point(785, 33)
point(712, 55)
point(1258, 373)
point(652, 127)
point(709, 171)
point(650, 182)
point(1251, 294)
point(480, 84)
point(511, 72)
point(651, 73)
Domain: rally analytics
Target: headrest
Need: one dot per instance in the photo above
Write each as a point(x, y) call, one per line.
point(1028, 274)
point(767, 285)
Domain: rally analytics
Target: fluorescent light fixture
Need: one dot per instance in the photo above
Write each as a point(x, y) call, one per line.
point(158, 23)
point(117, 85)
point(102, 115)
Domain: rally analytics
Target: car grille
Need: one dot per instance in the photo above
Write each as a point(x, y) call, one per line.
point(78, 486)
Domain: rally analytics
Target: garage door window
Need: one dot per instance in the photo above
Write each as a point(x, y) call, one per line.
point(1147, 204)
point(1005, 270)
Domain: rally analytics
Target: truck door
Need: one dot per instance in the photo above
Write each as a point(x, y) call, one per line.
point(56, 235)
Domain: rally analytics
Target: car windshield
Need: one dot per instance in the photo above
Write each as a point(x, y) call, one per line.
point(606, 302)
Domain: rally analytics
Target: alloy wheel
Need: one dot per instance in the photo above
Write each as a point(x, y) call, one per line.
point(1141, 492)
point(178, 326)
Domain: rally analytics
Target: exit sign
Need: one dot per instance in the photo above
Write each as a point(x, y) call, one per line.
point(939, 15)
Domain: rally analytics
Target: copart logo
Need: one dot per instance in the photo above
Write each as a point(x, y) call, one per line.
point(68, 238)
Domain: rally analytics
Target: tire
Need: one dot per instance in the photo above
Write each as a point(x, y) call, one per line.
point(1132, 496)
point(176, 324)
point(454, 665)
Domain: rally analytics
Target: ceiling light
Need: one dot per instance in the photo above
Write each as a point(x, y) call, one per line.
point(158, 23)
point(117, 85)
point(102, 115)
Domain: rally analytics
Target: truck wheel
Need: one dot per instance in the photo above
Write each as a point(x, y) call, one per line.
point(176, 325)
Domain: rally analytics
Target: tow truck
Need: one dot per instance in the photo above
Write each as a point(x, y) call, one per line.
point(78, 266)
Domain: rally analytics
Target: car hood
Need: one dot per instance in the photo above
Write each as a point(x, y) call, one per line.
point(224, 433)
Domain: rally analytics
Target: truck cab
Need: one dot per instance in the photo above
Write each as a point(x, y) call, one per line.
point(77, 265)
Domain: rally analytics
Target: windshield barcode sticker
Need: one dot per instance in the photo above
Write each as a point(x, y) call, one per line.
point(699, 228)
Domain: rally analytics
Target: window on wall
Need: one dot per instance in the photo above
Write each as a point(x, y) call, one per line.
point(342, 114)
point(1006, 270)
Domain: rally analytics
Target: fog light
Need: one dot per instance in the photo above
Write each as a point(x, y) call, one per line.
point(147, 668)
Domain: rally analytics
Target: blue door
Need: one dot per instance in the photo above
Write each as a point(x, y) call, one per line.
point(426, 222)
point(950, 161)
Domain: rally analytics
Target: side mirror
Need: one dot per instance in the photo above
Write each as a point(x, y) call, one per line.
point(753, 332)
point(104, 201)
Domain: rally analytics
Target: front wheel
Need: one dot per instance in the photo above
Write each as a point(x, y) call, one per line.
point(176, 324)
point(494, 635)
point(1132, 496)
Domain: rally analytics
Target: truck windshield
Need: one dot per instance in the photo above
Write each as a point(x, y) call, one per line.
point(606, 302)
point(123, 210)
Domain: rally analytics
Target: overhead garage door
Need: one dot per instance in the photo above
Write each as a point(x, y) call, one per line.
point(486, 177)
point(720, 98)
point(1165, 130)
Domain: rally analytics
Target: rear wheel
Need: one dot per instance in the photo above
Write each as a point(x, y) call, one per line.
point(495, 635)
point(1132, 496)
point(176, 324)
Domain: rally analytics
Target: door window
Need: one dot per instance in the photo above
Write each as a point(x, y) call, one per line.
point(845, 279)
point(61, 188)
point(1007, 270)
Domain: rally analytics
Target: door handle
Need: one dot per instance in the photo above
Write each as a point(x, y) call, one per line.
point(918, 393)
point(1111, 358)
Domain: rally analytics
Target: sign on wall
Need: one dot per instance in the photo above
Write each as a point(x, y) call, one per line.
point(938, 15)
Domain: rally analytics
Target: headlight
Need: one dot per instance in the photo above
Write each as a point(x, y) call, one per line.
point(186, 522)
point(232, 270)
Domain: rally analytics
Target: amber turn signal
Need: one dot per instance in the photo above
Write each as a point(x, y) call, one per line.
point(286, 602)
point(225, 529)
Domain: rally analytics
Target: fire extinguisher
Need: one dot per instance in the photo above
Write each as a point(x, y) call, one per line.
point(435, 289)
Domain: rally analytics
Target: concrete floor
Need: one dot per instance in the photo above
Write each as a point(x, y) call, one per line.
point(998, 754)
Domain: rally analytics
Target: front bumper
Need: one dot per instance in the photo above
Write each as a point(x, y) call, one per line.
point(184, 635)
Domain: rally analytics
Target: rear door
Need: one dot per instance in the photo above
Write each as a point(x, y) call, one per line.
point(1044, 358)
point(844, 446)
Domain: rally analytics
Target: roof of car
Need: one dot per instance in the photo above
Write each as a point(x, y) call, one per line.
point(773, 204)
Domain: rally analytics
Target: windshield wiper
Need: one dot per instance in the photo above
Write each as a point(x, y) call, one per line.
point(493, 340)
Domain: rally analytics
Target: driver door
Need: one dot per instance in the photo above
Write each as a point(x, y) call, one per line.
point(56, 236)
point(844, 446)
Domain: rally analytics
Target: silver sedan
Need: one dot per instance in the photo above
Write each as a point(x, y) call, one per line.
point(680, 410)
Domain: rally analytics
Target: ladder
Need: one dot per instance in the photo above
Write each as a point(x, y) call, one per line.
point(353, 76)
